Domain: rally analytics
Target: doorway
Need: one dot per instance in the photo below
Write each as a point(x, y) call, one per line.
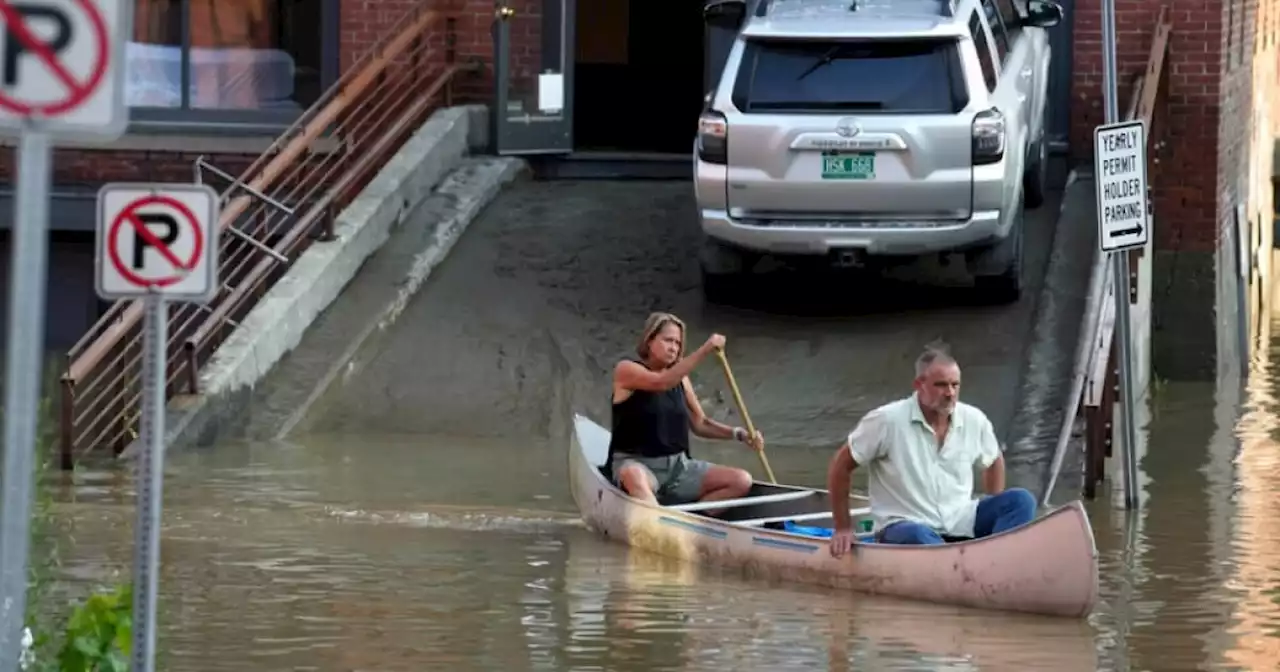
point(638, 76)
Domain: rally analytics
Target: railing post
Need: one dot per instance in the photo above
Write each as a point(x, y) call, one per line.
point(415, 61)
point(329, 218)
point(68, 425)
point(1111, 394)
point(191, 352)
point(450, 55)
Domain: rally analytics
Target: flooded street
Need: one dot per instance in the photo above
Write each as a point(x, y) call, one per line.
point(320, 556)
point(416, 515)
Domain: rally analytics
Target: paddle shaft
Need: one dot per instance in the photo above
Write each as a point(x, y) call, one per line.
point(742, 410)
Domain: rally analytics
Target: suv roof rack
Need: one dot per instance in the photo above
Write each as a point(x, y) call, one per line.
point(947, 8)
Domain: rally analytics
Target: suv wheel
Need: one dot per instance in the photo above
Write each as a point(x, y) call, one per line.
point(1035, 181)
point(722, 267)
point(1006, 286)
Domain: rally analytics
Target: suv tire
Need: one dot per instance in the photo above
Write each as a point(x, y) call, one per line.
point(1035, 180)
point(1004, 287)
point(722, 267)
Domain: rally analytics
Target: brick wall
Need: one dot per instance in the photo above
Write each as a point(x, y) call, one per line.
point(1235, 118)
point(1187, 121)
point(363, 23)
point(1219, 62)
point(1214, 129)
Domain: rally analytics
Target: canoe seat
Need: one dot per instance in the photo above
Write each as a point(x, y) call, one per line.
point(796, 518)
point(743, 501)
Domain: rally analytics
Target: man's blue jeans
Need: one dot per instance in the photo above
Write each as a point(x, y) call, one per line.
point(996, 513)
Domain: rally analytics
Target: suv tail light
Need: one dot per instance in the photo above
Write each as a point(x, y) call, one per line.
point(988, 137)
point(713, 138)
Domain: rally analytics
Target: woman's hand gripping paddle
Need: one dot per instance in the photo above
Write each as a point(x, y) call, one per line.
point(742, 409)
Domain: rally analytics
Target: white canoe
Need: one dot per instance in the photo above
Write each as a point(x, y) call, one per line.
point(1047, 567)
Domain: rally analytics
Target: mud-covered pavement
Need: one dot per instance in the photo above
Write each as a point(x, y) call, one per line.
point(520, 326)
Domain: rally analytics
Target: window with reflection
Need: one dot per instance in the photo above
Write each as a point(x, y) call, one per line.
point(222, 56)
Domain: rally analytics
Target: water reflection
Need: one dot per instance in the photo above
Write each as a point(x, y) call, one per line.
point(1255, 583)
point(644, 612)
point(413, 553)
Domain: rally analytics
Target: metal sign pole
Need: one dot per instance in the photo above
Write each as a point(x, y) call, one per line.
point(1120, 268)
point(150, 482)
point(24, 357)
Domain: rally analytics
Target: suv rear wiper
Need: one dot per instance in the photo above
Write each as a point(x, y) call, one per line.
point(824, 60)
point(818, 105)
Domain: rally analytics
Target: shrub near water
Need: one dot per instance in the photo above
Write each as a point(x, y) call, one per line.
point(97, 634)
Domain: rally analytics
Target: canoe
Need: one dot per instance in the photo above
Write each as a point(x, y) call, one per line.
point(775, 532)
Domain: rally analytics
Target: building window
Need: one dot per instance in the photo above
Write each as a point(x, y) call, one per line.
point(229, 62)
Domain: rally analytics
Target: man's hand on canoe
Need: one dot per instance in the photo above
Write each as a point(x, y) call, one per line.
point(841, 542)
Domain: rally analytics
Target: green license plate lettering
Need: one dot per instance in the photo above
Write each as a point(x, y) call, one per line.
point(860, 166)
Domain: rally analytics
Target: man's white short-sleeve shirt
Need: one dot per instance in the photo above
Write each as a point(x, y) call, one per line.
point(910, 478)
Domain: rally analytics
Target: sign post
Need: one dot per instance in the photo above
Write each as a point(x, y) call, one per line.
point(61, 77)
point(1120, 172)
point(156, 242)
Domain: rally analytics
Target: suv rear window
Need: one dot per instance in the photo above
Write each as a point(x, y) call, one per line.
point(918, 76)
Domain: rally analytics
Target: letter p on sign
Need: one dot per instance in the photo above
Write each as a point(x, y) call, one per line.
point(62, 67)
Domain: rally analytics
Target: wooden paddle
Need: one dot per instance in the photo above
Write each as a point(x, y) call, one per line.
point(742, 409)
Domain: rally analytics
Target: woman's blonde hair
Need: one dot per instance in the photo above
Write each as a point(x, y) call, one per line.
point(652, 326)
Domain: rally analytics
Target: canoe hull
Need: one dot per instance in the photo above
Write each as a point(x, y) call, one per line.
point(1047, 567)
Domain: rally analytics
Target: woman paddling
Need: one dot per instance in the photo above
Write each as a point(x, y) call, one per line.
point(654, 409)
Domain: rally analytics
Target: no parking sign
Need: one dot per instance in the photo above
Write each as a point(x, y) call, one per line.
point(157, 240)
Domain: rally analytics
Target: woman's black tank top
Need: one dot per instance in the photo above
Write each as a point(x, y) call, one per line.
point(651, 424)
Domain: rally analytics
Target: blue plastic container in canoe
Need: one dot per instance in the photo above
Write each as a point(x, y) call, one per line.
point(824, 532)
point(864, 530)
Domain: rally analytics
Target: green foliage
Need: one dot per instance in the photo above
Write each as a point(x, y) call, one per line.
point(97, 634)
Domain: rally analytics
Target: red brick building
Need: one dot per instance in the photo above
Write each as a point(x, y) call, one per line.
point(254, 67)
point(1215, 127)
point(1215, 120)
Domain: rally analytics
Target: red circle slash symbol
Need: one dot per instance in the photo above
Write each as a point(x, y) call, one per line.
point(130, 215)
point(77, 91)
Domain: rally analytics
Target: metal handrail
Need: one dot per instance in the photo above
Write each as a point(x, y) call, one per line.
point(313, 169)
point(1094, 377)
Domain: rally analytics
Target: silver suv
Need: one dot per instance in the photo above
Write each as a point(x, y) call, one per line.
point(855, 131)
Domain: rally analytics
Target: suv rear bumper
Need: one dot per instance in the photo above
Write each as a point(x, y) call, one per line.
point(793, 238)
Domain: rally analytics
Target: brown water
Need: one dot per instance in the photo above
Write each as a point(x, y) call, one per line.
point(348, 549)
point(351, 553)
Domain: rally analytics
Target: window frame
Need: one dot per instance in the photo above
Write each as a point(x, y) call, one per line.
point(979, 32)
point(744, 80)
point(189, 120)
point(1002, 40)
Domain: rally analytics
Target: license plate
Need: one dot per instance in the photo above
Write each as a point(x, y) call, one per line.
point(840, 166)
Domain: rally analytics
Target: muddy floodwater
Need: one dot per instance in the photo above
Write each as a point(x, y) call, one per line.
point(347, 553)
point(416, 516)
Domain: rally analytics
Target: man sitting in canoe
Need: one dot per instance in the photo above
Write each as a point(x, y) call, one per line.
point(654, 409)
point(919, 453)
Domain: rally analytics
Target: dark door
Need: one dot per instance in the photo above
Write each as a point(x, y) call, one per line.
point(1058, 101)
point(533, 78)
